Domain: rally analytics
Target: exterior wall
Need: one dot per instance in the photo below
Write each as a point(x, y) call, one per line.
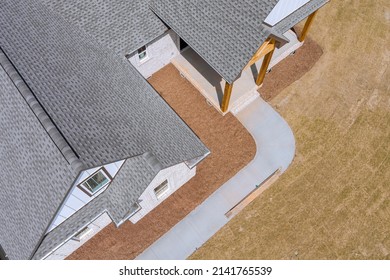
point(160, 52)
point(176, 175)
point(72, 245)
point(77, 198)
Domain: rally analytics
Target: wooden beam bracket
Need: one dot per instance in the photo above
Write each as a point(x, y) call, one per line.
point(265, 48)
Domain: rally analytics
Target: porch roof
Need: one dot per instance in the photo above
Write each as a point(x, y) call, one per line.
point(226, 34)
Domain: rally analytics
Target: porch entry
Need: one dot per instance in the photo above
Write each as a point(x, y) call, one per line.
point(213, 87)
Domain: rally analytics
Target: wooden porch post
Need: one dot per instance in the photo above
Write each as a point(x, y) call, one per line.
point(264, 66)
point(226, 97)
point(307, 26)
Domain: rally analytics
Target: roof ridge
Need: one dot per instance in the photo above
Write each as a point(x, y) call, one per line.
point(55, 135)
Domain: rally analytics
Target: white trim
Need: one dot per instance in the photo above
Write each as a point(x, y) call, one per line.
point(81, 235)
point(147, 55)
point(161, 190)
point(101, 170)
point(283, 9)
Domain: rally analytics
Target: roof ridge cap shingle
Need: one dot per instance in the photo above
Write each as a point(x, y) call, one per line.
point(58, 139)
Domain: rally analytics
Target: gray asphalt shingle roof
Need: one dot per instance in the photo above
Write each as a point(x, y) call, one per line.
point(101, 104)
point(226, 34)
point(31, 166)
point(103, 108)
point(122, 25)
point(300, 14)
point(122, 193)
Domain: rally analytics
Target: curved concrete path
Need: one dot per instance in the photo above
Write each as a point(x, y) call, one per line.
point(275, 150)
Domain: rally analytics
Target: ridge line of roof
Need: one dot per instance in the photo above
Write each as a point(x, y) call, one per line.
point(48, 125)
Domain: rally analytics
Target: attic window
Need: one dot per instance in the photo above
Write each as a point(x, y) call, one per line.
point(95, 182)
point(161, 189)
point(142, 54)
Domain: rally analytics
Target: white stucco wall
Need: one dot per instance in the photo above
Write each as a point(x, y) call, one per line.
point(160, 52)
point(176, 175)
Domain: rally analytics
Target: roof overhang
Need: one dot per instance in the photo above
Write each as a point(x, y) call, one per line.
point(283, 9)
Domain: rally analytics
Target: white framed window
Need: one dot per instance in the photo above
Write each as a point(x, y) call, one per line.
point(161, 190)
point(95, 182)
point(143, 54)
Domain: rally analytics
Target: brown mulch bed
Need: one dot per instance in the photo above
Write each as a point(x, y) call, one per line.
point(231, 146)
point(290, 69)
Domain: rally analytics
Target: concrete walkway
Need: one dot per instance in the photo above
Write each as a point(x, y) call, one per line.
point(275, 150)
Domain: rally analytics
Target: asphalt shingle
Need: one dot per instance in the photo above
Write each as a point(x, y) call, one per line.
point(34, 174)
point(122, 25)
point(226, 34)
point(71, 101)
point(94, 108)
point(299, 15)
point(103, 107)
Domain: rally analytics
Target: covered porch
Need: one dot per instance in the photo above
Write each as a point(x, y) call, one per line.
point(213, 87)
point(230, 55)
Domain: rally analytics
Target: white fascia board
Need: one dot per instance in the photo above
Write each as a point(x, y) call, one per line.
point(283, 9)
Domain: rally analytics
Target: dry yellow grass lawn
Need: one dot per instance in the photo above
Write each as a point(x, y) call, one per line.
point(334, 201)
